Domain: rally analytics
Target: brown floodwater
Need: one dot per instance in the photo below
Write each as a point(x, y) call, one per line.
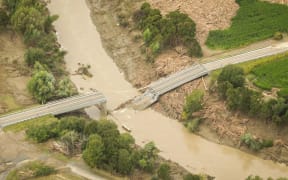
point(79, 37)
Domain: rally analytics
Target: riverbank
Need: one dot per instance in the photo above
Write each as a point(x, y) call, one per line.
point(215, 129)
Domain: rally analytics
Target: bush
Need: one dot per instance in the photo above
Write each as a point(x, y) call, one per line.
point(72, 123)
point(233, 74)
point(4, 19)
point(267, 143)
point(278, 36)
point(31, 170)
point(193, 124)
point(191, 177)
point(193, 104)
point(41, 133)
point(252, 143)
point(164, 172)
point(33, 55)
point(43, 170)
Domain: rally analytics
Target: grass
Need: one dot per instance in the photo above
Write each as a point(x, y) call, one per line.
point(10, 102)
point(30, 170)
point(248, 66)
point(26, 124)
point(255, 20)
point(272, 74)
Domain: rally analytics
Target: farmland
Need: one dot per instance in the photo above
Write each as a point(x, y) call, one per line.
point(272, 74)
point(255, 21)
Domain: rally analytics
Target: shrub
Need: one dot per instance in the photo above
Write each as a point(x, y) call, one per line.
point(193, 124)
point(233, 74)
point(267, 143)
point(34, 54)
point(42, 133)
point(193, 104)
point(72, 123)
point(191, 177)
point(31, 170)
point(164, 172)
point(278, 36)
point(4, 19)
point(255, 144)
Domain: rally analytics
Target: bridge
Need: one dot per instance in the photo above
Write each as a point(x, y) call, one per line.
point(55, 108)
point(164, 85)
point(157, 88)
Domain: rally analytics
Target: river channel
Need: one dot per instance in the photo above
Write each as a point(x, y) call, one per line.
point(79, 37)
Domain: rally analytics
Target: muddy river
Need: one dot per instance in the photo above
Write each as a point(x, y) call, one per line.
point(79, 37)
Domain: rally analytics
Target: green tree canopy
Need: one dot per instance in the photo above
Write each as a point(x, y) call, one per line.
point(26, 19)
point(233, 74)
point(65, 88)
point(94, 154)
point(42, 86)
point(125, 165)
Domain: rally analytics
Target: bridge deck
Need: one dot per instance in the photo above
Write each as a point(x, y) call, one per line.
point(55, 108)
point(166, 84)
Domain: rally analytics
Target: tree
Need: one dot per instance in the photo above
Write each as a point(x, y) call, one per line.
point(94, 154)
point(91, 128)
point(125, 141)
point(65, 88)
point(26, 19)
point(125, 165)
point(42, 86)
point(164, 172)
point(233, 74)
point(110, 135)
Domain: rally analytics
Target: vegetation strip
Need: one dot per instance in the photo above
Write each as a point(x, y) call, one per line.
point(32, 20)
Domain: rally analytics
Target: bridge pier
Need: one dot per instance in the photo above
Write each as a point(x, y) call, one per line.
point(103, 109)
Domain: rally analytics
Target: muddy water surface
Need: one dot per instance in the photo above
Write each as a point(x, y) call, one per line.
point(80, 38)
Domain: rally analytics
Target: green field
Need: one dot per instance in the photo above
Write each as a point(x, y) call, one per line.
point(272, 74)
point(255, 21)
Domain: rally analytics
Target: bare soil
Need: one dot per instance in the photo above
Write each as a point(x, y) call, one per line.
point(14, 73)
point(220, 125)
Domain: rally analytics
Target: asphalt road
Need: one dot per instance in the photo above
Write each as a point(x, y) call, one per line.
point(54, 108)
point(248, 56)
